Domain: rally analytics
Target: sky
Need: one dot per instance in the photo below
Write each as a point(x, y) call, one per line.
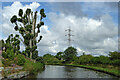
point(94, 25)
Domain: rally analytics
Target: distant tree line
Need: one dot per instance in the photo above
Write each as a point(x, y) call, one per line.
point(70, 56)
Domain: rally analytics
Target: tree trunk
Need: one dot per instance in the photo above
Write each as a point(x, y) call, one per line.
point(30, 43)
point(33, 27)
point(30, 48)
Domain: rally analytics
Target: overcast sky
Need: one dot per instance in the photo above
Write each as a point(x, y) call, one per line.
point(94, 25)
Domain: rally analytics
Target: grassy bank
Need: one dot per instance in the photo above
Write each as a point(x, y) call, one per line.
point(109, 70)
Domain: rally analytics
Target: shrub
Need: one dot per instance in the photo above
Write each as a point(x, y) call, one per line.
point(50, 59)
point(8, 54)
point(40, 59)
point(85, 59)
point(114, 55)
point(104, 59)
point(4, 55)
point(33, 67)
point(115, 62)
point(7, 62)
point(20, 60)
point(95, 60)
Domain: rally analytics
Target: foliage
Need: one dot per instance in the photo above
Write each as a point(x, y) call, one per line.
point(33, 67)
point(40, 59)
point(6, 62)
point(20, 60)
point(115, 62)
point(10, 58)
point(69, 56)
point(50, 59)
point(12, 43)
point(104, 60)
point(85, 59)
point(59, 55)
point(114, 55)
point(4, 55)
point(95, 60)
point(69, 53)
point(29, 30)
point(35, 56)
point(24, 53)
point(8, 54)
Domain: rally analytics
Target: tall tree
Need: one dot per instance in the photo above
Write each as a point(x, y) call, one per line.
point(29, 29)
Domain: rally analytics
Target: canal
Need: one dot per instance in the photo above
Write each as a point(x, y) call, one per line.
point(53, 71)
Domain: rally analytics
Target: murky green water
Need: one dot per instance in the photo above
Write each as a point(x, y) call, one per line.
point(52, 71)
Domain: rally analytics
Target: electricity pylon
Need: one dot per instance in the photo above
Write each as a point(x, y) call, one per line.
point(69, 30)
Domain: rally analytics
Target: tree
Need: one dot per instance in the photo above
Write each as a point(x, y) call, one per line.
point(114, 55)
point(12, 42)
point(50, 59)
point(69, 54)
point(104, 59)
point(29, 29)
point(40, 59)
point(85, 59)
point(95, 60)
point(59, 55)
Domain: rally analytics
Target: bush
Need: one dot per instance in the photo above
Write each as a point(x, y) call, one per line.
point(4, 55)
point(20, 60)
point(85, 59)
point(7, 62)
point(115, 62)
point(104, 60)
point(33, 67)
point(50, 59)
point(95, 60)
point(8, 54)
point(40, 59)
point(114, 55)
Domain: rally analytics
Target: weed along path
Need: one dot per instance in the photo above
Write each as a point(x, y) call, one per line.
point(55, 71)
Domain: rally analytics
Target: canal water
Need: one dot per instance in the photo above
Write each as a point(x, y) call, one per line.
point(52, 71)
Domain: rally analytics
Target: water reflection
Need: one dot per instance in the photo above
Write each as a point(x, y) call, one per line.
point(69, 72)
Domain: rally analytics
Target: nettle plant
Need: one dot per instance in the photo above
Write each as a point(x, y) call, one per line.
point(29, 29)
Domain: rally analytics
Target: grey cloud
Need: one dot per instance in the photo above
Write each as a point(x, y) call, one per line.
point(91, 35)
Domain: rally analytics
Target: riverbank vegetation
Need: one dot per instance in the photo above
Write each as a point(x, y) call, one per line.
point(109, 64)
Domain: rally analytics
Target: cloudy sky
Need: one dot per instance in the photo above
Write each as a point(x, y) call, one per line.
point(94, 25)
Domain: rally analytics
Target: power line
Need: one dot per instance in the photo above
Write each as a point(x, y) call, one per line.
point(69, 30)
